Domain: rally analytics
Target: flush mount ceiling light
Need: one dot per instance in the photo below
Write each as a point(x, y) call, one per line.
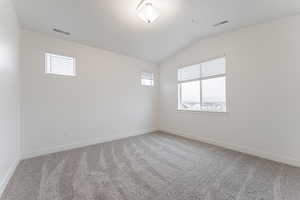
point(147, 12)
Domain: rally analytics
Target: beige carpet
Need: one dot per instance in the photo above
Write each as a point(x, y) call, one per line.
point(154, 166)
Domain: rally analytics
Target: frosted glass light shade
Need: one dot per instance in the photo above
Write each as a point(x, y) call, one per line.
point(148, 13)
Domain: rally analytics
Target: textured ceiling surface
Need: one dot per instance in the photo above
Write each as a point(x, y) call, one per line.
point(114, 25)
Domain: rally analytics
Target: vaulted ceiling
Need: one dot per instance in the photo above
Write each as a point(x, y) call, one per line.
point(114, 25)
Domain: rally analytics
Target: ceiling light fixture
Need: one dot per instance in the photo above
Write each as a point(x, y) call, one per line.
point(147, 12)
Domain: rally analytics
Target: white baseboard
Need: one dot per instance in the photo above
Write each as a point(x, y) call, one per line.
point(85, 143)
point(9, 174)
point(269, 156)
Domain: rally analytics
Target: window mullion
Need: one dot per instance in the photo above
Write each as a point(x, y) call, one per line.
point(51, 64)
point(180, 95)
point(200, 88)
point(214, 76)
point(190, 80)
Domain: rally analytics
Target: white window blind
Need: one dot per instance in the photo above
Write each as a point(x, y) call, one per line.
point(202, 87)
point(213, 67)
point(60, 65)
point(189, 73)
point(147, 79)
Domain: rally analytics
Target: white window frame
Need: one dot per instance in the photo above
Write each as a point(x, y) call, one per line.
point(48, 69)
point(179, 86)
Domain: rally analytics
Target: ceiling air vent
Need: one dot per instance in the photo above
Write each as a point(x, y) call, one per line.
point(221, 23)
point(61, 31)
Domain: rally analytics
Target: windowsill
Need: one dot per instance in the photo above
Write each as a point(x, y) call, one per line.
point(60, 75)
point(201, 111)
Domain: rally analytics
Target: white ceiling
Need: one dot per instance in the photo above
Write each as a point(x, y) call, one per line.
point(113, 24)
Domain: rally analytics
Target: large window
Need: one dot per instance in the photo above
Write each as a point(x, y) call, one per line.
point(59, 65)
point(202, 87)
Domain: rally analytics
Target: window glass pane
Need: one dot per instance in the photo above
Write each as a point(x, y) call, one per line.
point(189, 73)
point(214, 94)
point(213, 67)
point(147, 75)
point(147, 79)
point(190, 95)
point(147, 82)
point(60, 65)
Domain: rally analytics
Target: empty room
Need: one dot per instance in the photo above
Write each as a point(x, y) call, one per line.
point(149, 100)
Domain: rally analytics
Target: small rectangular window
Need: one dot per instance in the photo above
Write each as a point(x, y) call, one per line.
point(60, 65)
point(202, 87)
point(147, 79)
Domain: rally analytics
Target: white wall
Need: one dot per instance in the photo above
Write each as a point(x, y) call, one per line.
point(104, 101)
point(263, 84)
point(9, 92)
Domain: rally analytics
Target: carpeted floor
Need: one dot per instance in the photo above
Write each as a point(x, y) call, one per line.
point(154, 166)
